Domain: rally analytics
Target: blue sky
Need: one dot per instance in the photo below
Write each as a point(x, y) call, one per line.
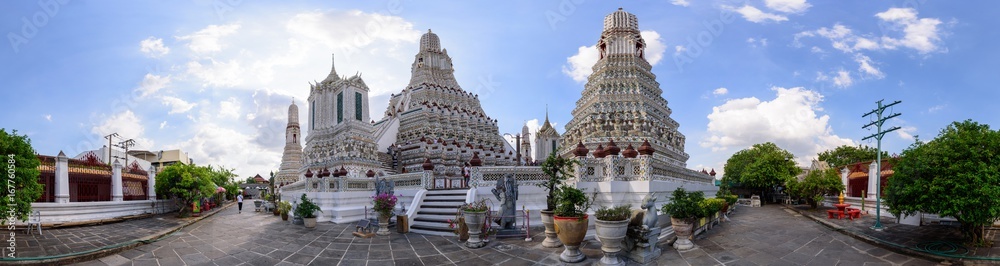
point(214, 78)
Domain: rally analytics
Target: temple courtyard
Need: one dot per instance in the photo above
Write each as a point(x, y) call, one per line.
point(769, 235)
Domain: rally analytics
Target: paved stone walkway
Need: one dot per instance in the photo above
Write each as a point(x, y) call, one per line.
point(770, 235)
point(911, 239)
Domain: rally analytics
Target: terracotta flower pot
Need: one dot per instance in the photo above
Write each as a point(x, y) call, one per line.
point(551, 240)
point(309, 222)
point(284, 216)
point(571, 231)
point(682, 229)
point(475, 220)
point(611, 234)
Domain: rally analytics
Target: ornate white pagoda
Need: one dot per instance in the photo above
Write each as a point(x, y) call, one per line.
point(291, 158)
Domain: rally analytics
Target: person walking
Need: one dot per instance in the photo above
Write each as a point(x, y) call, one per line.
point(239, 202)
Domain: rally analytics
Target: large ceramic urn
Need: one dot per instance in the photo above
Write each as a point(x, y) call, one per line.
point(571, 231)
point(611, 234)
point(551, 240)
point(383, 225)
point(475, 220)
point(309, 222)
point(682, 229)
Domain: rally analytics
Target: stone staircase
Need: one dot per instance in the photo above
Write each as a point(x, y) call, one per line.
point(438, 206)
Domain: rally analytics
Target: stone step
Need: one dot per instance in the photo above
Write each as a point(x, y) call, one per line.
point(444, 200)
point(438, 204)
point(436, 211)
point(445, 197)
point(431, 232)
point(435, 218)
point(434, 226)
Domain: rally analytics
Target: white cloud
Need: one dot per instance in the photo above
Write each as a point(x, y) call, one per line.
point(755, 42)
point(790, 120)
point(788, 6)
point(654, 46)
point(720, 91)
point(865, 66)
point(218, 74)
point(153, 47)
point(843, 79)
point(580, 66)
point(840, 78)
point(907, 132)
point(679, 49)
point(127, 125)
point(152, 83)
point(755, 15)
point(921, 34)
point(177, 105)
point(209, 38)
point(936, 108)
point(273, 55)
point(229, 108)
point(816, 50)
point(680, 2)
point(48, 117)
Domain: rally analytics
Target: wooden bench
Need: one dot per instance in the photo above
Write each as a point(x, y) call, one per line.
point(853, 214)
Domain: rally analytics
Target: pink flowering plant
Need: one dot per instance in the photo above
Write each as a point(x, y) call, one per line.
point(384, 204)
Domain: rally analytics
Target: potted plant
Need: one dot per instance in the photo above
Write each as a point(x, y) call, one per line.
point(612, 224)
point(284, 207)
point(307, 210)
point(557, 169)
point(711, 208)
point(475, 216)
point(458, 226)
point(384, 204)
point(571, 222)
point(684, 210)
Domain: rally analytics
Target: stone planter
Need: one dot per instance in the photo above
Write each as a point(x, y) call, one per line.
point(383, 225)
point(474, 220)
point(309, 222)
point(682, 229)
point(571, 231)
point(551, 241)
point(611, 234)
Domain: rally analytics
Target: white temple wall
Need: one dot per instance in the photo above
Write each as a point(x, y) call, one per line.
point(77, 212)
point(346, 206)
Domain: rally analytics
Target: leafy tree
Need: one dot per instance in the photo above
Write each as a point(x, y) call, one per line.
point(846, 154)
point(815, 185)
point(957, 174)
point(20, 169)
point(558, 169)
point(250, 180)
point(762, 166)
point(185, 182)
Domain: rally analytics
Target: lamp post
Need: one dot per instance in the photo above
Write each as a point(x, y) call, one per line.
point(517, 144)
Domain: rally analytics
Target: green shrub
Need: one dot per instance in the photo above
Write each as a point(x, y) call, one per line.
point(572, 202)
point(684, 205)
point(307, 209)
point(616, 213)
point(711, 206)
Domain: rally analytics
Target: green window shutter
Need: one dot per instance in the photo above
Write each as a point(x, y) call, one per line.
point(357, 106)
point(340, 107)
point(553, 146)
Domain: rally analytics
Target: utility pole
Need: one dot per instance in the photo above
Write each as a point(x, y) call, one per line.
point(125, 144)
point(109, 136)
point(879, 133)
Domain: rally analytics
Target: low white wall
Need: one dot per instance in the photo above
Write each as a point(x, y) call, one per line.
point(346, 206)
point(59, 213)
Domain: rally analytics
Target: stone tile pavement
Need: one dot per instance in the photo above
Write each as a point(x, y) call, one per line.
point(67, 241)
point(946, 241)
point(769, 235)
